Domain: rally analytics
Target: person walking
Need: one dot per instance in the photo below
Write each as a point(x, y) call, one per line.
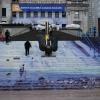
point(27, 47)
point(7, 36)
point(21, 71)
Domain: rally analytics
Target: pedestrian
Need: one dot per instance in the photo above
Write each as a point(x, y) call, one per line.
point(21, 71)
point(27, 47)
point(7, 36)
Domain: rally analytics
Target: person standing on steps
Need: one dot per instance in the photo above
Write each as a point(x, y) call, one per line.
point(27, 47)
point(7, 36)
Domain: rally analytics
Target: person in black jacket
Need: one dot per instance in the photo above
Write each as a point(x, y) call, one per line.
point(7, 36)
point(27, 47)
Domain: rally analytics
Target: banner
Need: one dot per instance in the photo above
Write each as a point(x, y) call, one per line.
point(42, 7)
point(16, 8)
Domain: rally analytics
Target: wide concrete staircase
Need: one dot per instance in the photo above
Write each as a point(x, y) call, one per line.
point(71, 68)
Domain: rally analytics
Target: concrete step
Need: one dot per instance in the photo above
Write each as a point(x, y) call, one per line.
point(68, 55)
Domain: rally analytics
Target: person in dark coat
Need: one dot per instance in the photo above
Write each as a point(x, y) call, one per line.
point(7, 36)
point(27, 47)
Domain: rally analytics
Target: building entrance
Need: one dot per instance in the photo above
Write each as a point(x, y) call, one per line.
point(99, 26)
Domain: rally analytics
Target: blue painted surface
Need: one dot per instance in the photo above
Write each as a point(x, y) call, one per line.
point(42, 7)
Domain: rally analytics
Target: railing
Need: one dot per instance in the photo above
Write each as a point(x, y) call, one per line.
point(86, 38)
point(21, 32)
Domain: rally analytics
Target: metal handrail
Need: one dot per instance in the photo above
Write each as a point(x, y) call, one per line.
point(19, 33)
point(91, 44)
point(84, 37)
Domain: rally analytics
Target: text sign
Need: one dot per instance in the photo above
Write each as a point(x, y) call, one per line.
point(42, 7)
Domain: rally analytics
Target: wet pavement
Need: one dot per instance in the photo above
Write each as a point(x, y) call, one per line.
point(51, 95)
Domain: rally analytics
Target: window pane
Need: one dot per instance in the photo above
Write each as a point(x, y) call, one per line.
point(50, 14)
point(42, 14)
point(3, 12)
point(63, 14)
point(14, 14)
point(28, 14)
point(21, 14)
point(35, 14)
point(76, 15)
point(15, 1)
point(56, 14)
point(77, 22)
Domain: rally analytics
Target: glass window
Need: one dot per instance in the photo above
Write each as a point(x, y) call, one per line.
point(13, 14)
point(28, 14)
point(42, 14)
point(77, 15)
point(56, 14)
point(64, 14)
point(35, 14)
point(77, 22)
point(15, 0)
point(63, 25)
point(50, 14)
point(3, 12)
point(21, 14)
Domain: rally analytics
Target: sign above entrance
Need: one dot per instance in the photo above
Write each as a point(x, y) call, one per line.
point(42, 7)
